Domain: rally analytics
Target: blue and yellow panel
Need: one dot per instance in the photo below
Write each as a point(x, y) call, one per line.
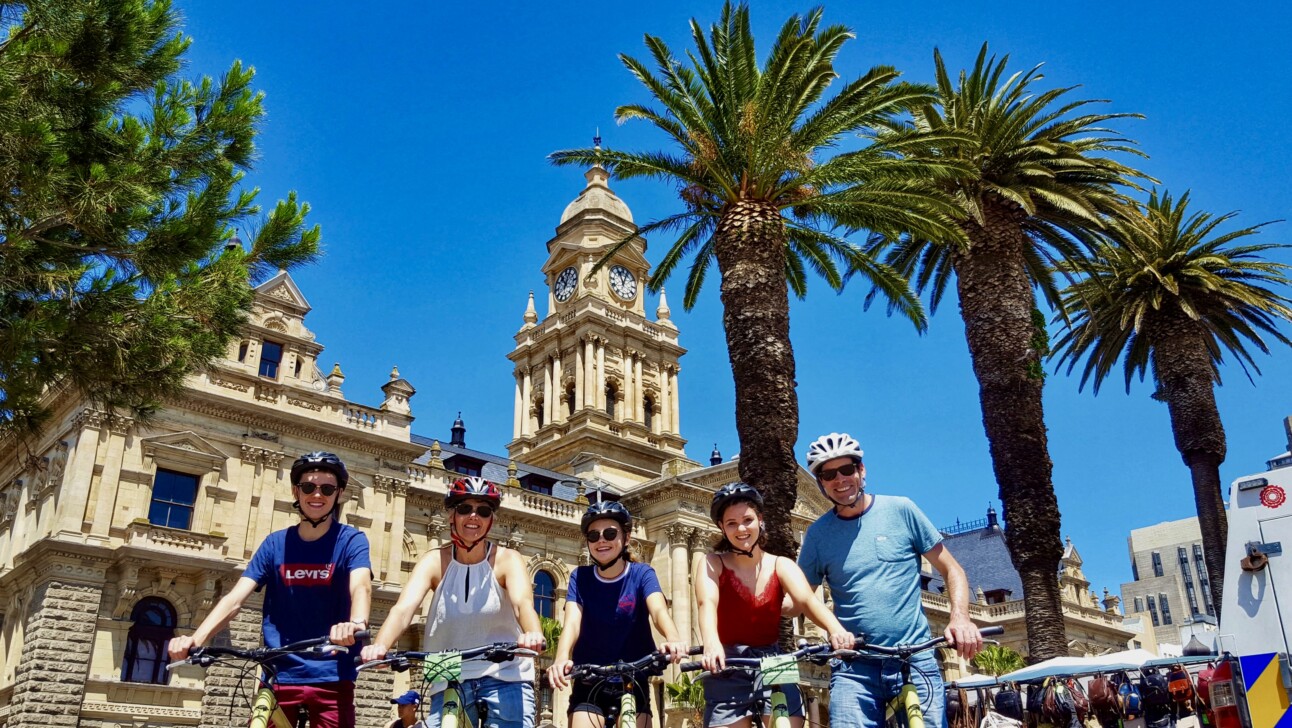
point(1267, 700)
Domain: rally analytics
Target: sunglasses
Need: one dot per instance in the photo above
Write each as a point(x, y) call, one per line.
point(608, 534)
point(844, 470)
point(466, 509)
point(308, 489)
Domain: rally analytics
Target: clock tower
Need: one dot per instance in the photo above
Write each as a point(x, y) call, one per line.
point(596, 381)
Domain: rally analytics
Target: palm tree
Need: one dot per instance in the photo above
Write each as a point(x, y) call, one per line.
point(1034, 187)
point(997, 660)
point(763, 194)
point(687, 693)
point(1166, 290)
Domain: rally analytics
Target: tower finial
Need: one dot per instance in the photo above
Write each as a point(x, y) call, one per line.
point(596, 139)
point(531, 315)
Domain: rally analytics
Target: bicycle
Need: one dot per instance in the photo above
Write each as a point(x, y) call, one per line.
point(774, 671)
point(265, 711)
point(904, 709)
point(621, 676)
point(447, 667)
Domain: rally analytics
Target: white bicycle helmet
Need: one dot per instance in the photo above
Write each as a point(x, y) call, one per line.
point(831, 446)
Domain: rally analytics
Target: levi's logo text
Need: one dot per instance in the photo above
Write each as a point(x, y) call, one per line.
point(306, 574)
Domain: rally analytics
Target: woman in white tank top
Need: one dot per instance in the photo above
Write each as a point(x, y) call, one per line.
point(482, 594)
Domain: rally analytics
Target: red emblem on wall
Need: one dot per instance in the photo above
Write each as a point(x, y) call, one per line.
point(1272, 496)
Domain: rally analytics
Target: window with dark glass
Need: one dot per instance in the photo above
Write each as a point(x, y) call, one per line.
point(242, 351)
point(648, 410)
point(1157, 564)
point(173, 497)
point(1139, 604)
point(1152, 610)
point(145, 658)
point(544, 594)
point(538, 412)
point(1134, 570)
point(1166, 608)
point(610, 399)
point(271, 355)
point(1192, 594)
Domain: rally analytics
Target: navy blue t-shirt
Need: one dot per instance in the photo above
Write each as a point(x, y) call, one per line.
point(616, 623)
point(307, 590)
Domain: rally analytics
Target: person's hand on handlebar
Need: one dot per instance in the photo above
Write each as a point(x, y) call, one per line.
point(842, 640)
point(675, 651)
point(531, 641)
point(963, 634)
point(342, 633)
point(179, 647)
point(559, 674)
point(714, 659)
point(374, 651)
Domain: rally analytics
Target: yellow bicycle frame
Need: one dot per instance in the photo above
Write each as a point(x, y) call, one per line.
point(627, 708)
point(907, 703)
point(780, 710)
point(452, 713)
point(265, 712)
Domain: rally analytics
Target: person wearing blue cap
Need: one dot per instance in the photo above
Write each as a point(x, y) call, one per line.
point(407, 703)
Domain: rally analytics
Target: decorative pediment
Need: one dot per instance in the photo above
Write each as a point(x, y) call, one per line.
point(185, 450)
point(283, 289)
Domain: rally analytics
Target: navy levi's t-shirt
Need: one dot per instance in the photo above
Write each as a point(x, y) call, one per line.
point(616, 622)
point(307, 590)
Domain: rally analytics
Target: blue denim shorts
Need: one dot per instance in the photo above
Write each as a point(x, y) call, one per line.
point(507, 704)
point(731, 697)
point(860, 691)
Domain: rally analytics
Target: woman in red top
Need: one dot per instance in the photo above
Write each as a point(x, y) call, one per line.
point(740, 590)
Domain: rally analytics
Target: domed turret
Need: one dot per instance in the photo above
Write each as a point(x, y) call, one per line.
point(597, 196)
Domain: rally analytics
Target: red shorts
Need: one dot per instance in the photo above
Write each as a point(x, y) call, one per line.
point(330, 705)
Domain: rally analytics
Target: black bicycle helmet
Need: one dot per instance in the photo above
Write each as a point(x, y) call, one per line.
point(730, 493)
point(473, 486)
point(607, 509)
point(320, 460)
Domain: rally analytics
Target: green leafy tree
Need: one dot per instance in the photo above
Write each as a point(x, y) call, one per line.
point(687, 693)
point(998, 660)
point(1166, 290)
point(764, 191)
point(1034, 183)
point(119, 273)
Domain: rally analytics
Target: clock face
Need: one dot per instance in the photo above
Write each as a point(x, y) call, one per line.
point(565, 284)
point(623, 283)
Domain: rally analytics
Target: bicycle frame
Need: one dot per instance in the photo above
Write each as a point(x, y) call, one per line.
point(453, 708)
point(453, 713)
point(266, 713)
point(776, 706)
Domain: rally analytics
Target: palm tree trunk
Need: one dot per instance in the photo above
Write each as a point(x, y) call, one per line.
point(1185, 380)
point(750, 248)
point(1007, 344)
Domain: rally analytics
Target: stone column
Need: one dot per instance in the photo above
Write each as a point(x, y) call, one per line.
point(578, 375)
point(519, 408)
point(110, 479)
point(640, 391)
point(665, 411)
point(558, 389)
point(589, 374)
point(601, 375)
point(74, 494)
point(62, 612)
point(547, 392)
point(675, 415)
point(698, 543)
point(629, 411)
point(526, 420)
point(680, 562)
point(399, 496)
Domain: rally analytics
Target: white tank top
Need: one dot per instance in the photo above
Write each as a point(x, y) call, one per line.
point(468, 610)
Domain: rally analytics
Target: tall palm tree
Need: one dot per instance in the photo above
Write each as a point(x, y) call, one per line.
point(763, 192)
point(1166, 290)
point(1034, 187)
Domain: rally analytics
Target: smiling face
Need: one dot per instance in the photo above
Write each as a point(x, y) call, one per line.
point(604, 551)
point(842, 488)
point(316, 505)
point(742, 525)
point(471, 527)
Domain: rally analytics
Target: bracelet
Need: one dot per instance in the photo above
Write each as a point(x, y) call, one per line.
point(362, 622)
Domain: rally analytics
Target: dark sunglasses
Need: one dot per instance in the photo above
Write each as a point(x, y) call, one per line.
point(608, 534)
point(466, 509)
point(308, 489)
point(844, 470)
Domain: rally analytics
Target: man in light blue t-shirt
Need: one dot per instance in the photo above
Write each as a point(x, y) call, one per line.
point(867, 549)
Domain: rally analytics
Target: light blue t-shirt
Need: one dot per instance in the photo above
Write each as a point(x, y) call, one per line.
point(872, 565)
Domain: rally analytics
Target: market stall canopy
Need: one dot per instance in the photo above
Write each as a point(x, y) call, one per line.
point(970, 682)
point(1127, 660)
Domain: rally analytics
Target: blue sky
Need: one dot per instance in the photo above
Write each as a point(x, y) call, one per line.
point(419, 133)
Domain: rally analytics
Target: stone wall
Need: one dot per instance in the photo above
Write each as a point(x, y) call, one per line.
point(50, 682)
point(228, 694)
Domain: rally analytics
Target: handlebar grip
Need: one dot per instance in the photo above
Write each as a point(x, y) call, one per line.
point(690, 666)
point(362, 634)
point(991, 631)
point(697, 650)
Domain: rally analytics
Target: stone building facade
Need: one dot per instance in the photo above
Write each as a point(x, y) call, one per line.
point(1170, 586)
point(117, 533)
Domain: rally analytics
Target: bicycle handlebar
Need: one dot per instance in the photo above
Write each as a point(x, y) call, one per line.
point(903, 650)
point(207, 656)
point(754, 663)
point(655, 661)
point(495, 652)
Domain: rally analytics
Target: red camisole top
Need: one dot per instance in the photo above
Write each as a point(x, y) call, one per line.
point(745, 618)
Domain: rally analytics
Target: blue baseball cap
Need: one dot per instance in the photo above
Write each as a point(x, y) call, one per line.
point(412, 697)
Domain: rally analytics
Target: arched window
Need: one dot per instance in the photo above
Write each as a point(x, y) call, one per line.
point(145, 658)
point(648, 408)
point(545, 594)
point(610, 400)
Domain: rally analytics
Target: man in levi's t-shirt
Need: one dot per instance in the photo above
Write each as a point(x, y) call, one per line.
point(318, 582)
